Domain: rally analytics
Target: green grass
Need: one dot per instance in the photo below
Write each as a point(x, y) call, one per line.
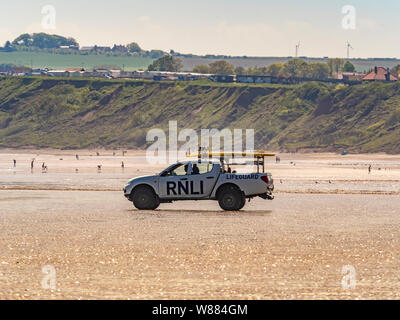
point(59, 61)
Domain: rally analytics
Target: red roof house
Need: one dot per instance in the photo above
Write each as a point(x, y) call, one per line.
point(380, 74)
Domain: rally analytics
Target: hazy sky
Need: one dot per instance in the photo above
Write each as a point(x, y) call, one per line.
point(231, 27)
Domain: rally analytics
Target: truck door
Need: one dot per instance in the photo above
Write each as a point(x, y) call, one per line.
point(188, 181)
point(203, 177)
point(171, 182)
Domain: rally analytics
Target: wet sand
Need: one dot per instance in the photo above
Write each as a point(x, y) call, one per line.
point(328, 213)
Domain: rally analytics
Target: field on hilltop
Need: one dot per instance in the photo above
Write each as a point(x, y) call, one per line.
point(88, 113)
point(61, 61)
point(130, 63)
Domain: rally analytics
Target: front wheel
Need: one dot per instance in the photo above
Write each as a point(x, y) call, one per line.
point(144, 198)
point(230, 198)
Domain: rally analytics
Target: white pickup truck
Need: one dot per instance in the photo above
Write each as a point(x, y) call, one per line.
point(199, 180)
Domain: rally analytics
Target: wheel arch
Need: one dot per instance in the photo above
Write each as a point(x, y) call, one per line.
point(222, 186)
point(143, 184)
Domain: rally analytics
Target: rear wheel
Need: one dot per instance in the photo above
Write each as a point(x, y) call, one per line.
point(144, 198)
point(230, 198)
point(242, 204)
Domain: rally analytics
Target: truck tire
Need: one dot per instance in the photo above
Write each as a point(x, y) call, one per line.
point(242, 204)
point(144, 198)
point(230, 198)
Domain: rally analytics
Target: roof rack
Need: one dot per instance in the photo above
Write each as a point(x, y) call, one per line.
point(259, 157)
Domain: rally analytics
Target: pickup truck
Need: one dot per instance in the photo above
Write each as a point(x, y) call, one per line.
point(199, 180)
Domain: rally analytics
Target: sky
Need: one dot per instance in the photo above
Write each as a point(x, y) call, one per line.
point(227, 27)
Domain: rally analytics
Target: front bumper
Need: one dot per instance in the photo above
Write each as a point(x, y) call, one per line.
point(127, 195)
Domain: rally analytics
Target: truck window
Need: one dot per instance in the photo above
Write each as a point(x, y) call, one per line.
point(179, 170)
point(201, 168)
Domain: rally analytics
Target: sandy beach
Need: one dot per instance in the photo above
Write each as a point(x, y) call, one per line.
point(329, 212)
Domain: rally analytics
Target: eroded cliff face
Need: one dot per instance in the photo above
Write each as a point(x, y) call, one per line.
point(64, 113)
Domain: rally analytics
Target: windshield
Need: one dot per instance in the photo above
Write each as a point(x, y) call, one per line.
point(179, 169)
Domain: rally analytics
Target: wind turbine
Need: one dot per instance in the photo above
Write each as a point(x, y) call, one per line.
point(297, 49)
point(348, 50)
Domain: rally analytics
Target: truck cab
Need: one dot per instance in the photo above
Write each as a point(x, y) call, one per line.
point(189, 180)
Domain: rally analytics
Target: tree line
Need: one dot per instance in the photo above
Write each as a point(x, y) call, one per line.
point(43, 42)
point(292, 68)
point(296, 68)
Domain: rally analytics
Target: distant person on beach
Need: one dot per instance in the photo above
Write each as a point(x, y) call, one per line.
point(369, 169)
point(77, 157)
point(32, 163)
point(122, 165)
point(15, 163)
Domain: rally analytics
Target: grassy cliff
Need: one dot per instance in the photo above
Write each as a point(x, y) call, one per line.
point(59, 113)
